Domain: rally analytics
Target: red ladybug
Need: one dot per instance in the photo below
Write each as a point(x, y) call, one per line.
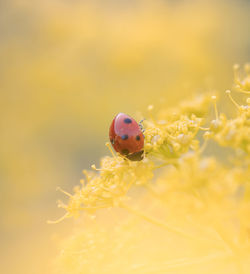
point(126, 137)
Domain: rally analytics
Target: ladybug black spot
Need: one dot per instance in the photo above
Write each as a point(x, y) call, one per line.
point(124, 137)
point(112, 141)
point(125, 151)
point(138, 138)
point(127, 121)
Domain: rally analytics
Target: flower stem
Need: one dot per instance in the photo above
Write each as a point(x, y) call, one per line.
point(159, 223)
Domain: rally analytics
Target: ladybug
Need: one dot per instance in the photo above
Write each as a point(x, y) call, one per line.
point(126, 137)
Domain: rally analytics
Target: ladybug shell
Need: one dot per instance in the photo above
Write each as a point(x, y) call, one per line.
point(126, 137)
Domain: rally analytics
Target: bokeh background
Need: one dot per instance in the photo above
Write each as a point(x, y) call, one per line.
point(66, 69)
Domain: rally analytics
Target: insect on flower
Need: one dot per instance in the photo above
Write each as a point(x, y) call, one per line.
point(126, 137)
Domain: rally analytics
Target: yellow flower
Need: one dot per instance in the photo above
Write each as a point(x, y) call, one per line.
point(175, 203)
point(235, 132)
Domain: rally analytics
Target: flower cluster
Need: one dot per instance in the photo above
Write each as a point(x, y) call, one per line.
point(234, 132)
point(171, 138)
point(108, 186)
point(190, 201)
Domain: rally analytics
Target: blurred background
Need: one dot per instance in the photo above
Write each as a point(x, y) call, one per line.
point(67, 68)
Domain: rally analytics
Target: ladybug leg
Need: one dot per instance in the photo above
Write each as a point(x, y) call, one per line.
point(141, 126)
